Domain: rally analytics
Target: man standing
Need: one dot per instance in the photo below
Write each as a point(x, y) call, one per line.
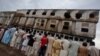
point(83, 50)
point(93, 51)
point(44, 42)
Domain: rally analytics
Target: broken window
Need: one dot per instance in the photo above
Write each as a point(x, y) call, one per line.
point(67, 15)
point(78, 15)
point(66, 25)
point(44, 13)
point(53, 12)
point(52, 26)
point(42, 22)
point(84, 30)
point(91, 15)
point(34, 12)
point(28, 12)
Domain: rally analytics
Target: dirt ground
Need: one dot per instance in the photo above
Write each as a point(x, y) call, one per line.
point(8, 51)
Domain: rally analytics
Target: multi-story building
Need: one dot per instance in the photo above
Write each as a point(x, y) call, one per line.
point(6, 17)
point(73, 24)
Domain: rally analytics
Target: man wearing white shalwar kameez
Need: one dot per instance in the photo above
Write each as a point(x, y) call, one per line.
point(12, 44)
point(36, 44)
point(93, 51)
point(19, 38)
point(73, 50)
point(49, 48)
point(65, 47)
point(25, 42)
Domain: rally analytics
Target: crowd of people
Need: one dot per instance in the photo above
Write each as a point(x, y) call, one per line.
point(35, 43)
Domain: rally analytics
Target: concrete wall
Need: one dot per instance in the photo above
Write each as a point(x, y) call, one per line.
point(6, 17)
point(90, 26)
point(75, 24)
point(30, 22)
point(60, 14)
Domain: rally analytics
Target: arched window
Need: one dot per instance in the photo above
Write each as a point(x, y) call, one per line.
point(91, 15)
point(53, 13)
point(44, 13)
point(78, 15)
point(66, 26)
point(34, 12)
point(28, 12)
point(67, 15)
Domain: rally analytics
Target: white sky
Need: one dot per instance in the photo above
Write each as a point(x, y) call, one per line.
point(6, 5)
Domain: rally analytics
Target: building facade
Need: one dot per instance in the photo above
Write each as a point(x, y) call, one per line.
point(73, 24)
point(6, 17)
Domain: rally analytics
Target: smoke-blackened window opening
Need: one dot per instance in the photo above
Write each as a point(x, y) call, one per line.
point(78, 15)
point(67, 15)
point(42, 22)
point(44, 13)
point(52, 26)
point(66, 25)
point(91, 15)
point(34, 12)
point(84, 29)
point(28, 12)
point(53, 13)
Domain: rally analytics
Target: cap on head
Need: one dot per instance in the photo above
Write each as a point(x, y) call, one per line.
point(84, 44)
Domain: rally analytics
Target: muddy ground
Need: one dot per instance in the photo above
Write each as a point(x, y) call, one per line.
point(5, 50)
